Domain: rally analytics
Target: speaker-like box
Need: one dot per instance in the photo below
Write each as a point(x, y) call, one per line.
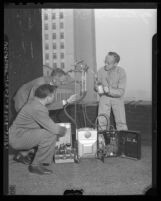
point(130, 144)
point(126, 143)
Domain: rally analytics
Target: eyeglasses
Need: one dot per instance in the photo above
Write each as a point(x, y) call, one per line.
point(58, 82)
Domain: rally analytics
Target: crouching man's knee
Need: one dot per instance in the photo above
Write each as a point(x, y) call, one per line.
point(48, 138)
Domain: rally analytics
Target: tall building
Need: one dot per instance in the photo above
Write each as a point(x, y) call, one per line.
point(68, 35)
point(57, 35)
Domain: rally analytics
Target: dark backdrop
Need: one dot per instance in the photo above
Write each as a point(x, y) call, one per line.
point(24, 30)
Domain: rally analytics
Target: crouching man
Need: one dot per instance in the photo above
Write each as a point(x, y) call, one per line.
point(33, 127)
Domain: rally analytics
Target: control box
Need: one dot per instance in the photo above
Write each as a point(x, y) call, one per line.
point(64, 152)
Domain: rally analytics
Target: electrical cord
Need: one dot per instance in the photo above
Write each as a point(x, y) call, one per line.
point(91, 123)
point(84, 115)
point(107, 119)
point(68, 115)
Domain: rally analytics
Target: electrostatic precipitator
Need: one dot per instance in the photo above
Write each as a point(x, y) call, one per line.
point(67, 138)
point(64, 152)
point(87, 142)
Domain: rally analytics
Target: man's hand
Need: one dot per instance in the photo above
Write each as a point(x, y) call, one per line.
point(100, 89)
point(62, 131)
point(106, 89)
point(96, 88)
point(73, 98)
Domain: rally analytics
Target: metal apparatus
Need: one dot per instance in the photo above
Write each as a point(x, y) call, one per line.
point(114, 143)
point(90, 142)
point(64, 151)
point(94, 141)
point(86, 138)
point(80, 68)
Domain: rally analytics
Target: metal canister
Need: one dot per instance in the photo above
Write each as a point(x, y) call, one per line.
point(100, 89)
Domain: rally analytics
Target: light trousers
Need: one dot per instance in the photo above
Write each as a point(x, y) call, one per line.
point(117, 105)
point(45, 141)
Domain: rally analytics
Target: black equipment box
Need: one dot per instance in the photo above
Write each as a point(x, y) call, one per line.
point(125, 144)
point(130, 144)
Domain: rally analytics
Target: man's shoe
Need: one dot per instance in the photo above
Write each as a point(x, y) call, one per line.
point(39, 170)
point(22, 159)
point(45, 169)
point(30, 156)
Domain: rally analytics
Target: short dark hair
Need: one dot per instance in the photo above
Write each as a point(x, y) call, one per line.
point(114, 54)
point(44, 90)
point(58, 71)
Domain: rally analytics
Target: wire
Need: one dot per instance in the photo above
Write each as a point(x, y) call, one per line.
point(84, 115)
point(107, 118)
point(69, 116)
point(84, 92)
point(91, 123)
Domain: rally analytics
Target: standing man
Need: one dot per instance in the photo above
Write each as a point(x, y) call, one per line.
point(58, 77)
point(33, 127)
point(112, 79)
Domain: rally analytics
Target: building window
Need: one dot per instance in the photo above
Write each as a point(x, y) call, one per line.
point(61, 25)
point(61, 15)
point(62, 66)
point(46, 26)
point(54, 26)
point(62, 55)
point(53, 16)
point(54, 45)
point(46, 17)
point(61, 45)
point(47, 64)
point(54, 56)
point(61, 35)
point(54, 65)
point(46, 46)
point(46, 36)
point(46, 56)
point(54, 35)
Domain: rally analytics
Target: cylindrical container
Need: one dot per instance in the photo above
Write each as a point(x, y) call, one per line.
point(100, 89)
